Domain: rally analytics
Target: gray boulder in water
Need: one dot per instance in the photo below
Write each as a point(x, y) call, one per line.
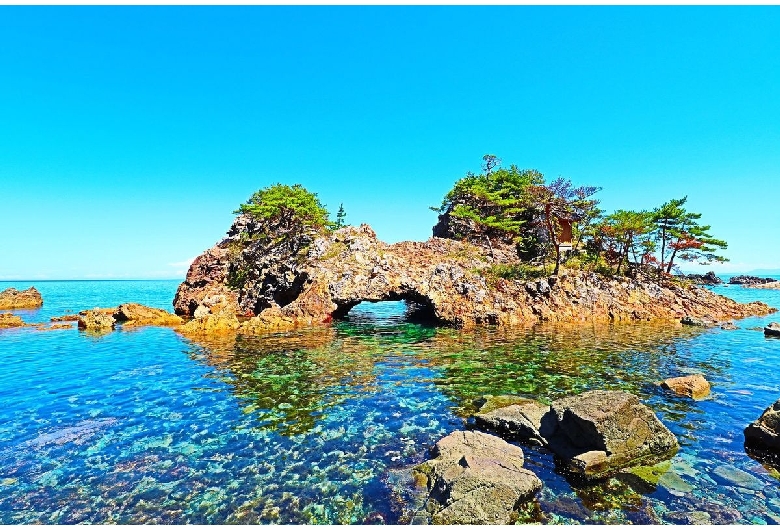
point(595, 434)
point(601, 432)
point(476, 478)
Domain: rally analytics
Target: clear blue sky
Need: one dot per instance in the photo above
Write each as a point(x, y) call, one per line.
point(128, 135)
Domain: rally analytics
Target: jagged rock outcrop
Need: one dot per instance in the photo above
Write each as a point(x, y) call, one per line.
point(476, 478)
point(14, 299)
point(9, 320)
point(595, 434)
point(749, 280)
point(764, 433)
point(286, 284)
point(705, 279)
point(693, 386)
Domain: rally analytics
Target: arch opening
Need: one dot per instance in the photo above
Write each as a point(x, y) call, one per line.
point(390, 311)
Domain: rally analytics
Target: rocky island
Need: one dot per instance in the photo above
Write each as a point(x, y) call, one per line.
point(283, 264)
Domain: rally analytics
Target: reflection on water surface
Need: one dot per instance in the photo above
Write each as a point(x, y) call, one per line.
point(321, 425)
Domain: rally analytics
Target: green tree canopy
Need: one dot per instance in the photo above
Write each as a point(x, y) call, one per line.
point(681, 236)
point(492, 204)
point(291, 209)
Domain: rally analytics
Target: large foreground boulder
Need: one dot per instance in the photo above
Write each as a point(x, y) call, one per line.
point(693, 386)
point(476, 478)
point(764, 433)
point(27, 299)
point(603, 431)
point(595, 434)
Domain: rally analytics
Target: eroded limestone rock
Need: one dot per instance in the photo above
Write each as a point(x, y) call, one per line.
point(476, 478)
point(693, 386)
point(27, 299)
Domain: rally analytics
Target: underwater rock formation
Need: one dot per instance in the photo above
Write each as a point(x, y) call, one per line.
point(476, 478)
point(595, 434)
point(27, 299)
point(283, 284)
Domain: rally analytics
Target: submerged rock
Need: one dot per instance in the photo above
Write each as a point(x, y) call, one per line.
point(27, 299)
point(693, 386)
point(772, 330)
point(96, 320)
point(729, 326)
point(601, 432)
point(764, 433)
point(9, 320)
point(476, 478)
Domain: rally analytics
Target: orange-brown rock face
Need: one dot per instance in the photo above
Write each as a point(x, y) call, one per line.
point(27, 299)
point(323, 277)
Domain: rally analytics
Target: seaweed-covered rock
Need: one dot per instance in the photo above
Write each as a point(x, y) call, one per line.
point(27, 299)
point(96, 320)
point(764, 433)
point(525, 420)
point(694, 386)
point(772, 330)
point(9, 320)
point(601, 432)
point(476, 478)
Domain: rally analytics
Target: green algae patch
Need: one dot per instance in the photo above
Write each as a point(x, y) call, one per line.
point(651, 474)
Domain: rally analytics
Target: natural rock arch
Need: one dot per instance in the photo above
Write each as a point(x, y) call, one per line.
point(452, 279)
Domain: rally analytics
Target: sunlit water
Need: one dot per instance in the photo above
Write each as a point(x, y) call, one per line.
point(322, 425)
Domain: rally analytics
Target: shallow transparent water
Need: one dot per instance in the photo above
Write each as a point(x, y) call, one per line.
point(322, 425)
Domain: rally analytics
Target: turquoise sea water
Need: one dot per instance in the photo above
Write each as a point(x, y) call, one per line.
point(322, 425)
